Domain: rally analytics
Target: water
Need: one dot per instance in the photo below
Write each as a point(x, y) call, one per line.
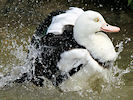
point(16, 29)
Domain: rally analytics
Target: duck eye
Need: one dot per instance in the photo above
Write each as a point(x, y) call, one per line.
point(96, 19)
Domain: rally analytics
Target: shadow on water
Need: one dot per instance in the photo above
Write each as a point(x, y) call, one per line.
point(18, 21)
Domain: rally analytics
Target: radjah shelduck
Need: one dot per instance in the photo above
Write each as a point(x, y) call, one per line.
point(72, 46)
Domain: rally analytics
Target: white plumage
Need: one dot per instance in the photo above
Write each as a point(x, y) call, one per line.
point(68, 18)
point(88, 32)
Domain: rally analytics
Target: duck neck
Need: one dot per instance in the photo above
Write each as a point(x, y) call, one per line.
point(99, 45)
point(82, 37)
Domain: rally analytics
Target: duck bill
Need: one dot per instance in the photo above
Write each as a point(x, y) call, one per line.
point(109, 28)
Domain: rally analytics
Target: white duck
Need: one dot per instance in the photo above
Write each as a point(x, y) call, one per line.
point(89, 31)
point(92, 46)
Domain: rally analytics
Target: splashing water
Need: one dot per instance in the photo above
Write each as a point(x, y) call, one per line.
point(14, 71)
point(97, 85)
point(112, 78)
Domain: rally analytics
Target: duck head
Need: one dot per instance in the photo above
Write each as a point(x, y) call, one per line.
point(89, 31)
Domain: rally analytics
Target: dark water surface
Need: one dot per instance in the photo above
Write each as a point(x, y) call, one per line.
point(18, 22)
